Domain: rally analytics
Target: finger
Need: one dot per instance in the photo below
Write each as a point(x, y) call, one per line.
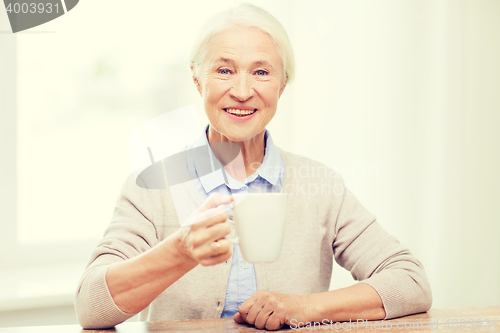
point(206, 236)
point(247, 304)
point(219, 247)
point(214, 200)
point(225, 246)
point(254, 312)
point(275, 321)
point(237, 318)
point(262, 317)
point(210, 261)
point(268, 307)
point(209, 217)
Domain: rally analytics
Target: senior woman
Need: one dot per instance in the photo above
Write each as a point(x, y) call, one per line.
point(241, 65)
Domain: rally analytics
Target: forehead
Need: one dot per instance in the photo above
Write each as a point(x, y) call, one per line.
point(243, 45)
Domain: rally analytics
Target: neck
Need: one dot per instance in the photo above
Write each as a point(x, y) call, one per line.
point(249, 158)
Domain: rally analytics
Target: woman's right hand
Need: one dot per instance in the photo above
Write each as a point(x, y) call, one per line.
point(203, 241)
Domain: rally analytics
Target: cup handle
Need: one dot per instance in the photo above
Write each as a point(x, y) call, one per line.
point(230, 220)
point(234, 240)
point(228, 207)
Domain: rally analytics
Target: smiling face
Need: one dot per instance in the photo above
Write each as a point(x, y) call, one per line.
point(241, 81)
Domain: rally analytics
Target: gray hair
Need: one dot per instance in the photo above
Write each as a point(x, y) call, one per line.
point(247, 15)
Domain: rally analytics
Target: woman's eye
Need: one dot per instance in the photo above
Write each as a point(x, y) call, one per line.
point(261, 72)
point(224, 71)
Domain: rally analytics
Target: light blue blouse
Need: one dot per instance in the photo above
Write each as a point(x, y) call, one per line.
point(267, 178)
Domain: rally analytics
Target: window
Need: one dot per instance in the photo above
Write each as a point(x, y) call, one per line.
point(72, 90)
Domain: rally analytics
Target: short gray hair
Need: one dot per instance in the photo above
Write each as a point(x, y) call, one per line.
point(247, 15)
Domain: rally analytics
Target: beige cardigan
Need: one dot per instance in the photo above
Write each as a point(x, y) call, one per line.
point(324, 221)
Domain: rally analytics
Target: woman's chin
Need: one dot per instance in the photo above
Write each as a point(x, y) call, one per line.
point(238, 132)
point(240, 135)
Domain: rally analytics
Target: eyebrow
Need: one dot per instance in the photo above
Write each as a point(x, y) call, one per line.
point(258, 62)
point(222, 59)
point(263, 63)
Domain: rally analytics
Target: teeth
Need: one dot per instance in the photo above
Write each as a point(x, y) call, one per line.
point(239, 112)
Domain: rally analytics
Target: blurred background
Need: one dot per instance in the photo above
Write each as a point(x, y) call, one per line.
point(401, 97)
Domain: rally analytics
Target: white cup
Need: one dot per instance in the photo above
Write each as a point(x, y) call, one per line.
point(259, 219)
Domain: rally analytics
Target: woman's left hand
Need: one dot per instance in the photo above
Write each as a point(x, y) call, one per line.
point(271, 311)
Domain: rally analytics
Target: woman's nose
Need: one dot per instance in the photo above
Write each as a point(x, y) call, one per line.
point(242, 89)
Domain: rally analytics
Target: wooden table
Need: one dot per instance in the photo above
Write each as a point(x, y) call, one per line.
point(433, 321)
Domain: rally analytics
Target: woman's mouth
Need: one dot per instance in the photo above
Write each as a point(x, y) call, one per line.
point(239, 112)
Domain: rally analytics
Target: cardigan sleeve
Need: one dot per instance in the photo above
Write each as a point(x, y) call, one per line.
point(375, 257)
point(130, 233)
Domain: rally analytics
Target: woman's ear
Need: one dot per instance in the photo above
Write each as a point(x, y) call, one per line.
point(198, 85)
point(196, 80)
point(282, 88)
